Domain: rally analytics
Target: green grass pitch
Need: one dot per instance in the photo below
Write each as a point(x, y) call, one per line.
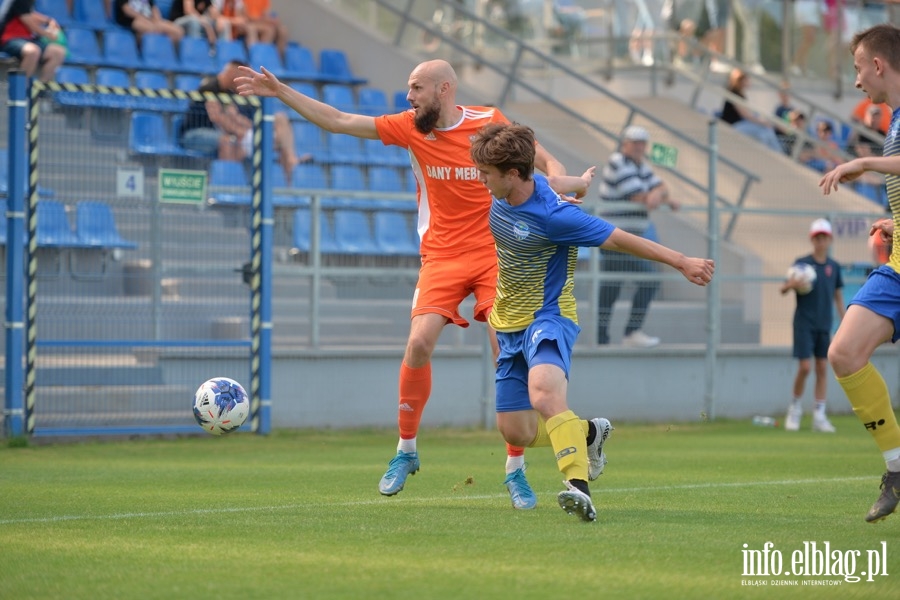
point(297, 515)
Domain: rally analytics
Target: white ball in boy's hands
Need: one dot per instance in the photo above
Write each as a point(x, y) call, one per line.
point(805, 276)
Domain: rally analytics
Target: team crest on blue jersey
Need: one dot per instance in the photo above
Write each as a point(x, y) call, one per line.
point(894, 129)
point(521, 230)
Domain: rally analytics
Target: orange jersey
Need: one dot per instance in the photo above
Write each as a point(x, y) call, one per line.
point(453, 203)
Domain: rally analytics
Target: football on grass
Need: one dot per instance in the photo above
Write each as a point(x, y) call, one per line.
point(221, 405)
point(805, 273)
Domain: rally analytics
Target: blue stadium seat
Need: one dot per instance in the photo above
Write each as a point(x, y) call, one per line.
point(53, 228)
point(300, 63)
point(92, 14)
point(352, 233)
point(165, 7)
point(379, 154)
point(4, 178)
point(339, 96)
point(158, 52)
point(308, 138)
point(347, 178)
point(195, 57)
point(875, 193)
point(334, 66)
point(187, 82)
point(155, 80)
point(110, 77)
point(148, 135)
point(411, 185)
point(58, 9)
point(229, 173)
point(393, 234)
point(302, 232)
point(373, 101)
point(400, 101)
point(120, 50)
point(309, 176)
point(228, 50)
point(385, 179)
point(95, 226)
point(3, 226)
point(84, 49)
point(265, 54)
point(343, 149)
point(75, 75)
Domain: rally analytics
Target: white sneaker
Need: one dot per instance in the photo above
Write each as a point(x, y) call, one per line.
point(639, 339)
point(792, 420)
point(596, 455)
point(821, 423)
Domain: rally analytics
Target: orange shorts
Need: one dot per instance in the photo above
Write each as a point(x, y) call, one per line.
point(445, 282)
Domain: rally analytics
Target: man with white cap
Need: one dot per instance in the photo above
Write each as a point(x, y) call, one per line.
point(812, 323)
point(629, 190)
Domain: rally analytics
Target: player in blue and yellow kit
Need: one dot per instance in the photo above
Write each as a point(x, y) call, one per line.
point(873, 316)
point(537, 235)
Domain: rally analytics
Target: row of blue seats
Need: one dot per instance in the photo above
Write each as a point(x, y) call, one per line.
point(349, 232)
point(230, 186)
point(95, 226)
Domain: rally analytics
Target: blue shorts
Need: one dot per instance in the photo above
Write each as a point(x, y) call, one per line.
point(881, 294)
point(546, 341)
point(810, 342)
point(14, 46)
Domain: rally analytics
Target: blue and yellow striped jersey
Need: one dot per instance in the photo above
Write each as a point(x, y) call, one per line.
point(892, 148)
point(537, 247)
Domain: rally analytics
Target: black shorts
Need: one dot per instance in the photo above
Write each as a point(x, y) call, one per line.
point(810, 342)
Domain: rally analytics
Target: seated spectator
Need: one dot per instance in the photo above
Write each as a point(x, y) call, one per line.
point(260, 12)
point(797, 120)
point(143, 16)
point(34, 38)
point(234, 13)
point(226, 132)
point(199, 18)
point(859, 114)
point(743, 119)
point(827, 153)
point(862, 144)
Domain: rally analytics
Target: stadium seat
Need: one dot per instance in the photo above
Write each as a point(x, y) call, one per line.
point(334, 67)
point(158, 52)
point(385, 179)
point(195, 57)
point(400, 101)
point(373, 102)
point(266, 54)
point(342, 148)
point(84, 49)
point(349, 178)
point(411, 185)
point(92, 14)
point(302, 232)
point(4, 178)
point(53, 228)
point(228, 50)
point(309, 176)
point(230, 174)
point(393, 234)
point(95, 227)
point(3, 227)
point(155, 80)
point(148, 135)
point(165, 7)
point(187, 82)
point(58, 9)
point(300, 63)
point(339, 96)
point(379, 154)
point(352, 233)
point(308, 138)
point(110, 77)
point(875, 193)
point(75, 75)
point(120, 50)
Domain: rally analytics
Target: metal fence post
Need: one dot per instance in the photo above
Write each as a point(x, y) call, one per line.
point(713, 296)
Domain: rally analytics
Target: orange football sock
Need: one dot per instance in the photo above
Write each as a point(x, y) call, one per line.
point(514, 450)
point(415, 388)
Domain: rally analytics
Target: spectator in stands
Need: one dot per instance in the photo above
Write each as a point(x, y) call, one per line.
point(742, 118)
point(260, 13)
point(827, 153)
point(711, 28)
point(629, 190)
point(143, 16)
point(199, 18)
point(226, 132)
point(868, 143)
point(859, 114)
point(784, 107)
point(235, 14)
point(33, 38)
point(797, 120)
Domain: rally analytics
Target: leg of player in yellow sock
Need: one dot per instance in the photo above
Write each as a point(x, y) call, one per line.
point(861, 331)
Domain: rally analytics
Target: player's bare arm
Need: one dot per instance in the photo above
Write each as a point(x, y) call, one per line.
point(884, 228)
point(853, 169)
point(569, 184)
point(264, 83)
point(698, 271)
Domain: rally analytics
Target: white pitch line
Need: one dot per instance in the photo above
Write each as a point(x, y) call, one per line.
point(410, 500)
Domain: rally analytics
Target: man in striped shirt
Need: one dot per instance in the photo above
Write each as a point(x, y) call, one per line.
point(629, 190)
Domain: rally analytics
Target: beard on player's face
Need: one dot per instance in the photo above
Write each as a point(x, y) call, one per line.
point(427, 116)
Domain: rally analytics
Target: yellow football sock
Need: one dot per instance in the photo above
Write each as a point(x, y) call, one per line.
point(568, 440)
point(542, 439)
point(871, 401)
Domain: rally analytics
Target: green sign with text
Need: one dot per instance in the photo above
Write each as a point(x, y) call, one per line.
point(182, 187)
point(666, 156)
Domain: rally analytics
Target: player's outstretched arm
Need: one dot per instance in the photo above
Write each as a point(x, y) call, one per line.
point(853, 169)
point(569, 184)
point(698, 271)
point(264, 83)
